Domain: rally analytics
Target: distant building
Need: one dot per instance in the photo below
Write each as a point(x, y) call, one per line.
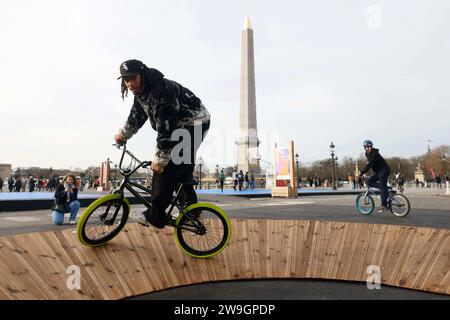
point(5, 171)
point(419, 175)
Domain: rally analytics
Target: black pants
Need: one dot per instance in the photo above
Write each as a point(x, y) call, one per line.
point(165, 183)
point(379, 180)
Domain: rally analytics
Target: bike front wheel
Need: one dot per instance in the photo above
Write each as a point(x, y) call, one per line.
point(103, 220)
point(202, 230)
point(365, 203)
point(400, 205)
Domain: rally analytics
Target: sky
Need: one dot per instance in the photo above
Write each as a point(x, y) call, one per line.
point(326, 71)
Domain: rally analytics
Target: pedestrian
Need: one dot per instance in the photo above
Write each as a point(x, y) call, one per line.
point(41, 184)
point(351, 180)
point(221, 179)
point(1, 184)
point(10, 184)
point(18, 184)
point(234, 175)
point(438, 182)
point(246, 184)
point(241, 179)
point(400, 181)
point(54, 184)
point(251, 178)
point(31, 183)
point(66, 195)
point(24, 184)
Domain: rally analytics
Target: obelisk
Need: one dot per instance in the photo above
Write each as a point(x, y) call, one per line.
point(248, 143)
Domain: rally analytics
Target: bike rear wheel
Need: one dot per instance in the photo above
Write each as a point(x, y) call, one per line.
point(207, 235)
point(365, 203)
point(400, 205)
point(97, 225)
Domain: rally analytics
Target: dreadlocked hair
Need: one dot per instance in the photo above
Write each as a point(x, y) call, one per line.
point(124, 90)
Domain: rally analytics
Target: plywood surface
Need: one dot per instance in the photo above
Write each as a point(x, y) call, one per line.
point(141, 260)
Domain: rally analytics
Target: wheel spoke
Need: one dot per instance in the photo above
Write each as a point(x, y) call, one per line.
point(96, 227)
point(400, 205)
point(213, 238)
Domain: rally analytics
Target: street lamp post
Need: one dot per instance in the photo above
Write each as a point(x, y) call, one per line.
point(297, 175)
point(333, 163)
point(447, 182)
point(444, 159)
point(337, 169)
point(200, 173)
point(108, 168)
point(115, 174)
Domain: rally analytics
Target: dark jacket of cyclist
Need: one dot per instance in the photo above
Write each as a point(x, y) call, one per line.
point(176, 114)
point(375, 162)
point(381, 172)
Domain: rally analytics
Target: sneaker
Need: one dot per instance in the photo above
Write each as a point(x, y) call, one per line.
point(72, 222)
point(382, 209)
point(140, 218)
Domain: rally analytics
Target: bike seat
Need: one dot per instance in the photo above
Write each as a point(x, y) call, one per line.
point(189, 182)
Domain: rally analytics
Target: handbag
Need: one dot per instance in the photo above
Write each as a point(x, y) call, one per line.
point(57, 206)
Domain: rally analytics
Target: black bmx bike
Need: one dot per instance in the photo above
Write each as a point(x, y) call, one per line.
point(397, 203)
point(201, 230)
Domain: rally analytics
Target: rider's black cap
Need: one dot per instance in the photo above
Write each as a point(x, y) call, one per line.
point(131, 67)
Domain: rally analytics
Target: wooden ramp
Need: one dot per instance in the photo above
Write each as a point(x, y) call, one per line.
point(142, 260)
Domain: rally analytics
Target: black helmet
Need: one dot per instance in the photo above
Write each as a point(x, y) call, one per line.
point(367, 143)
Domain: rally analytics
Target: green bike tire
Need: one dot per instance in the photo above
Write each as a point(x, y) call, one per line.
point(368, 207)
point(82, 224)
point(181, 234)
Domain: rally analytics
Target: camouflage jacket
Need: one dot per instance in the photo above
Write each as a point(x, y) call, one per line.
point(169, 106)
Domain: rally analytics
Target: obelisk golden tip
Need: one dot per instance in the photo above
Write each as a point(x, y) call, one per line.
point(247, 23)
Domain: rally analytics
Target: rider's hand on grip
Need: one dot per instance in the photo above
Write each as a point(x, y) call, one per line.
point(145, 164)
point(157, 168)
point(120, 139)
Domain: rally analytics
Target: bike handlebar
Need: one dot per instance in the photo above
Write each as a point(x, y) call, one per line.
point(143, 164)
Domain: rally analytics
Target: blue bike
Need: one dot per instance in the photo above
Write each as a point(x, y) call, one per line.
point(397, 203)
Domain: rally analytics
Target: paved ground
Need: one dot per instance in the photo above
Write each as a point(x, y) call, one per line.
point(292, 289)
point(92, 194)
point(428, 210)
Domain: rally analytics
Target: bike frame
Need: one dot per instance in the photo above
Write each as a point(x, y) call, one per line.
point(373, 191)
point(127, 184)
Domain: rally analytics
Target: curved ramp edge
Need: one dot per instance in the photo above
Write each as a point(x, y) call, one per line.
point(54, 265)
